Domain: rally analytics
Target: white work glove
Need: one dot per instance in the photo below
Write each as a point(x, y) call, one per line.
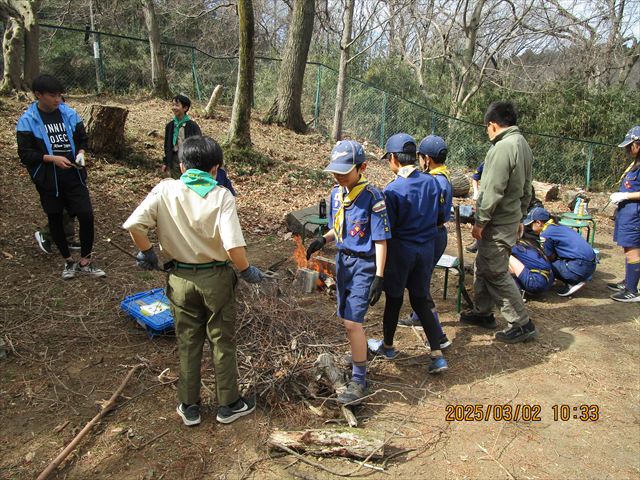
point(80, 159)
point(618, 197)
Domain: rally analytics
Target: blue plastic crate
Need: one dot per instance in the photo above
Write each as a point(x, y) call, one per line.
point(150, 310)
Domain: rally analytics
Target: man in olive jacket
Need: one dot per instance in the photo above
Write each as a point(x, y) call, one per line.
point(505, 192)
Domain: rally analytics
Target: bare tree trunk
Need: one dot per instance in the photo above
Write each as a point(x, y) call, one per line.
point(12, 44)
point(158, 74)
point(345, 44)
point(286, 109)
point(240, 128)
point(29, 10)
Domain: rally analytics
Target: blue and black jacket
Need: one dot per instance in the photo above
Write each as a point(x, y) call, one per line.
point(33, 145)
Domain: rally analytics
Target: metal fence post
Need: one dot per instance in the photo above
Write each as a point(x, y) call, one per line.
point(589, 158)
point(316, 110)
point(196, 85)
point(383, 120)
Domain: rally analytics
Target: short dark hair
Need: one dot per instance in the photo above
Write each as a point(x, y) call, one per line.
point(502, 113)
point(405, 158)
point(183, 100)
point(200, 152)
point(442, 158)
point(47, 84)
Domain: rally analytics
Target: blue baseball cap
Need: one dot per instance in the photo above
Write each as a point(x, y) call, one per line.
point(632, 135)
point(345, 156)
point(537, 214)
point(400, 143)
point(433, 146)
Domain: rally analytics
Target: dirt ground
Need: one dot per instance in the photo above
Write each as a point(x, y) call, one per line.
point(70, 346)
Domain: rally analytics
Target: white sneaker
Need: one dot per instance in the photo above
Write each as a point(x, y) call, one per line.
point(69, 271)
point(90, 270)
point(571, 289)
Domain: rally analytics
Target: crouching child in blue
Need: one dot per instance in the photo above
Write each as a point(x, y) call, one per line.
point(51, 143)
point(572, 259)
point(359, 226)
point(530, 268)
point(413, 203)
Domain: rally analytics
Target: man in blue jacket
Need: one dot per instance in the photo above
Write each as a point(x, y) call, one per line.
point(51, 143)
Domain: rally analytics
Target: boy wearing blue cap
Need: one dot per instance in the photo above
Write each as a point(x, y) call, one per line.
point(413, 203)
point(360, 228)
point(573, 260)
point(432, 155)
point(627, 228)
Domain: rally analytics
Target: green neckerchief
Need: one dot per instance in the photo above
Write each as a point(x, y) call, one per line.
point(198, 181)
point(176, 126)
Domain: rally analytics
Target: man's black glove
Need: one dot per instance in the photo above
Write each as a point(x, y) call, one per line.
point(252, 275)
point(316, 245)
point(147, 260)
point(375, 290)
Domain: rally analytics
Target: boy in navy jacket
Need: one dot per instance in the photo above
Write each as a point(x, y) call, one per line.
point(51, 143)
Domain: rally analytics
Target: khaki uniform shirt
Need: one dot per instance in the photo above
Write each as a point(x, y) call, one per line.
point(191, 229)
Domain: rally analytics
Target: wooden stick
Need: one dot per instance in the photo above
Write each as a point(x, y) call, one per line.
point(111, 403)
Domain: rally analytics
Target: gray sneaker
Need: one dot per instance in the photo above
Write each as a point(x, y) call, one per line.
point(190, 414)
point(69, 271)
point(354, 394)
point(409, 321)
point(91, 270)
point(241, 407)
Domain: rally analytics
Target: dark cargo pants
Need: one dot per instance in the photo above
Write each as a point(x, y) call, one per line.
point(203, 307)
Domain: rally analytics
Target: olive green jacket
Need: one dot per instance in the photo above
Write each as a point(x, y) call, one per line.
point(505, 190)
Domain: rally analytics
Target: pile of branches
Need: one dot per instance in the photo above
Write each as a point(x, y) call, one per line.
point(278, 344)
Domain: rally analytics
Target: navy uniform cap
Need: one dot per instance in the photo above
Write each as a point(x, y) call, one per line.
point(632, 135)
point(537, 214)
point(433, 146)
point(400, 143)
point(345, 156)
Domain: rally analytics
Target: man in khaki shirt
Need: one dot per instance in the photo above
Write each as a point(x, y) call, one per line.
point(197, 225)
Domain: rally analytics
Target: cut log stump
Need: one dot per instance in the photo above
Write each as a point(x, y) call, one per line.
point(460, 183)
point(547, 192)
point(342, 442)
point(105, 127)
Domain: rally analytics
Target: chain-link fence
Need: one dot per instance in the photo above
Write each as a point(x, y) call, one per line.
point(370, 114)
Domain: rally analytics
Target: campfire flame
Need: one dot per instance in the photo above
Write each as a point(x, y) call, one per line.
point(300, 257)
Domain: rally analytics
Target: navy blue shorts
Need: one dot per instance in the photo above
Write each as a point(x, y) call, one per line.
point(408, 266)
point(354, 276)
point(534, 282)
point(573, 271)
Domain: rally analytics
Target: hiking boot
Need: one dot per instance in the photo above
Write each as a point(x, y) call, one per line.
point(377, 347)
point(69, 271)
point(354, 394)
point(617, 287)
point(626, 296)
point(73, 244)
point(570, 289)
point(484, 321)
point(43, 243)
point(410, 321)
point(190, 414)
point(517, 334)
point(438, 364)
point(241, 407)
point(89, 269)
point(473, 248)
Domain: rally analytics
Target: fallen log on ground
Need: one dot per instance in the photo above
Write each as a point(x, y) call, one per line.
point(343, 442)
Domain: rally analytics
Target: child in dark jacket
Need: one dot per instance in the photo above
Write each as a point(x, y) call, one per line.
point(51, 143)
point(176, 131)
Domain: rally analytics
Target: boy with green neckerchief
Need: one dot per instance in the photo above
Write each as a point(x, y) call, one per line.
point(197, 226)
point(175, 133)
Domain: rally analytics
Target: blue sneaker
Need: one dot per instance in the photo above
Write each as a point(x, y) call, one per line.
point(438, 364)
point(377, 347)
